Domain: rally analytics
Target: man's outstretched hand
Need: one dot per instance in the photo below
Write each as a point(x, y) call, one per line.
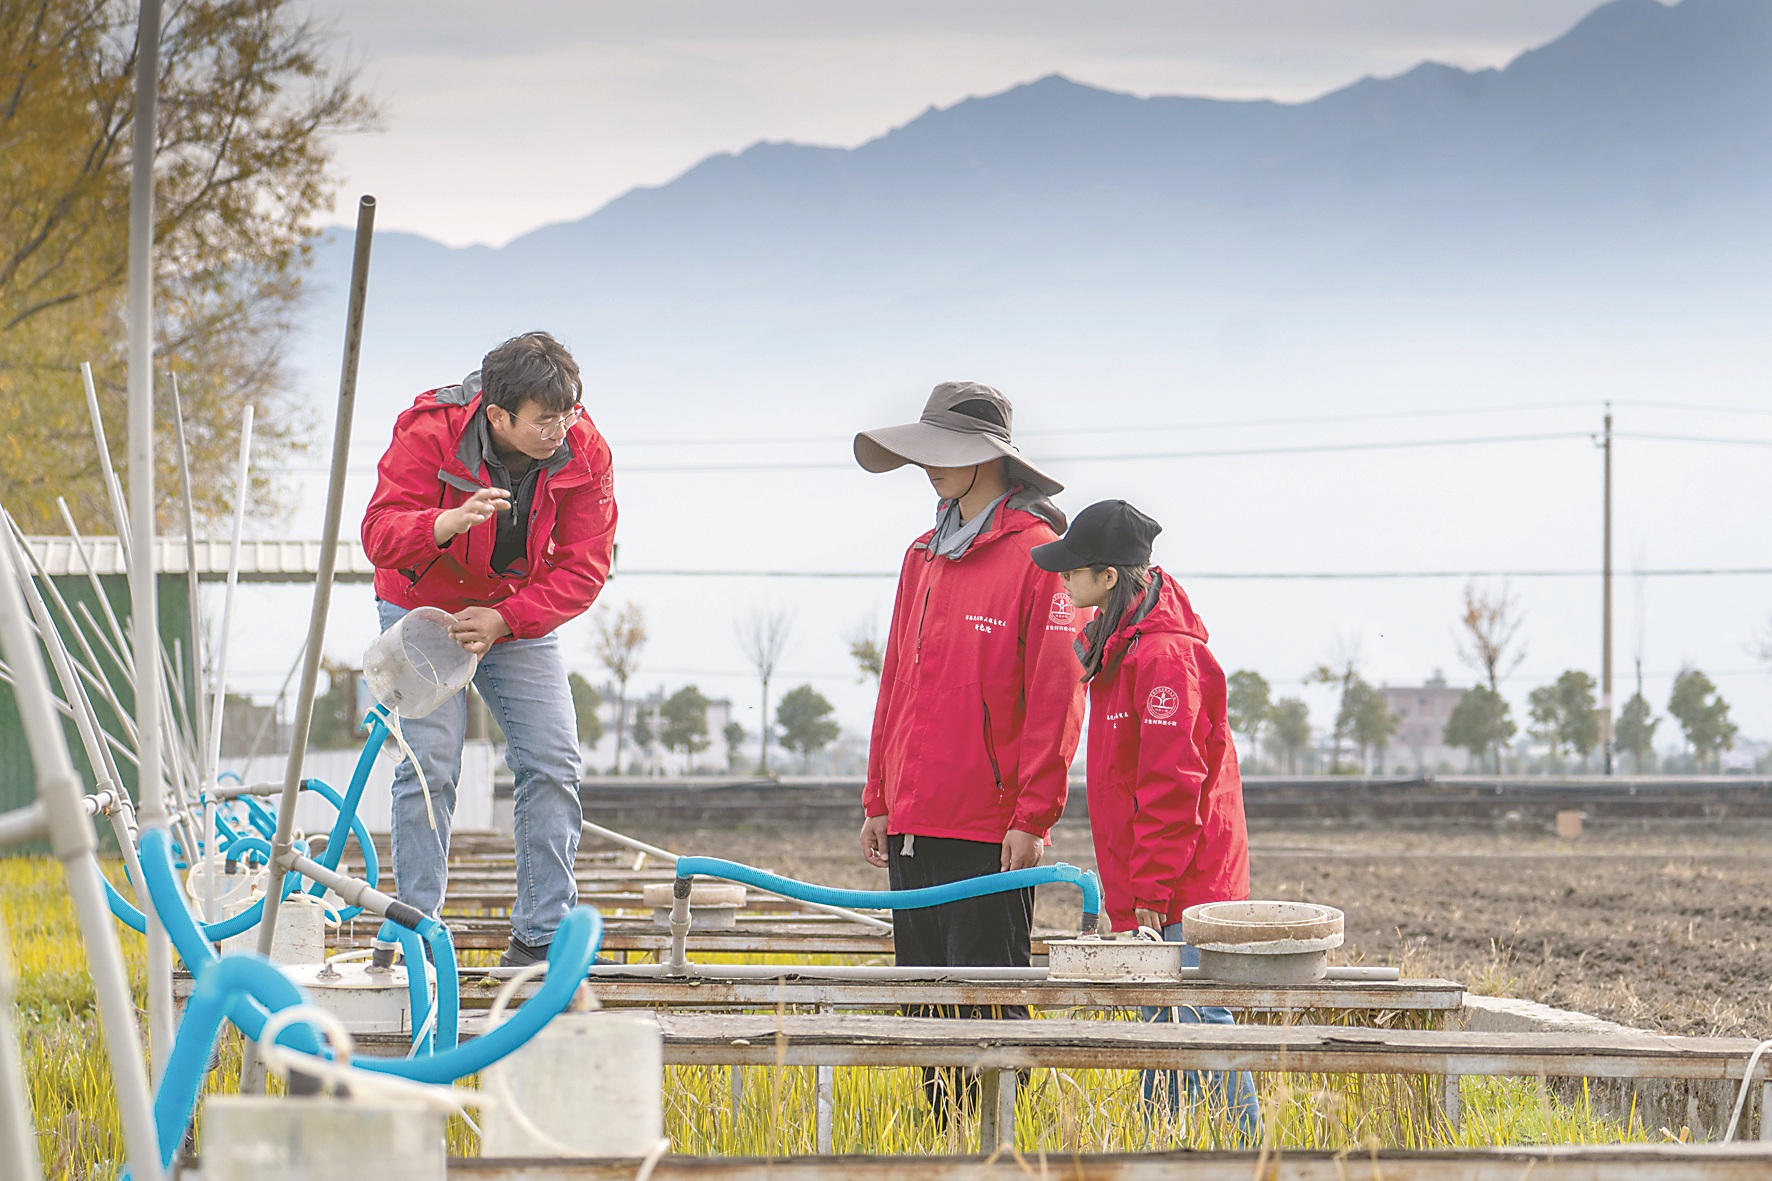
point(1022, 850)
point(476, 628)
point(477, 508)
point(873, 841)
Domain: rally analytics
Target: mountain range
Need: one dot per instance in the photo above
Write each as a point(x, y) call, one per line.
point(1641, 140)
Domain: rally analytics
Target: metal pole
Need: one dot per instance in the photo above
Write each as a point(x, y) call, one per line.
point(198, 715)
point(113, 491)
point(219, 693)
point(73, 843)
point(144, 599)
point(1606, 609)
point(341, 446)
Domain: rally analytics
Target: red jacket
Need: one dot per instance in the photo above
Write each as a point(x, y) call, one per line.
point(571, 524)
point(980, 708)
point(1165, 798)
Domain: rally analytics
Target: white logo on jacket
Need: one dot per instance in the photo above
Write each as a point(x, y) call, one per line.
point(1063, 610)
point(1162, 703)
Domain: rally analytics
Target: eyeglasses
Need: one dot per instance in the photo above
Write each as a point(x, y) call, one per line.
point(554, 428)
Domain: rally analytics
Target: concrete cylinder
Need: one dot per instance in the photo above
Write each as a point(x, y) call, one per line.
point(301, 930)
point(254, 1138)
point(592, 1083)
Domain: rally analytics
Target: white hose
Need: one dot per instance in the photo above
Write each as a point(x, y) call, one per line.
point(417, 767)
point(361, 1084)
point(1747, 1081)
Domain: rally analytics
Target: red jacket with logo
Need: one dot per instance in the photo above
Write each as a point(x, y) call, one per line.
point(571, 523)
point(1165, 798)
point(980, 708)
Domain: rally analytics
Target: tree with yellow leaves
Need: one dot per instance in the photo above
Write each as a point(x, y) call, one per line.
point(248, 99)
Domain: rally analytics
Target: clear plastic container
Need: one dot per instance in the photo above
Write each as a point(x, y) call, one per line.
point(414, 667)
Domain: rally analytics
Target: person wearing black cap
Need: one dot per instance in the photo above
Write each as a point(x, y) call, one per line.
point(979, 710)
point(1165, 797)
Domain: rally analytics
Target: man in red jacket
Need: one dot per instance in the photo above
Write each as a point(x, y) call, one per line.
point(980, 709)
point(496, 502)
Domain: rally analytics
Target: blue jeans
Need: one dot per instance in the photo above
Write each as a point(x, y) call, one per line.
point(1237, 1090)
point(524, 684)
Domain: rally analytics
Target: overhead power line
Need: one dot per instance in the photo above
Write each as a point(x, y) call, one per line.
point(1239, 576)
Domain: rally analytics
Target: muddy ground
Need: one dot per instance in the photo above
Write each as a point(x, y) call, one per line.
point(1655, 927)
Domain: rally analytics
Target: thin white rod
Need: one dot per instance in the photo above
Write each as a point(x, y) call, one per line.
point(194, 710)
point(212, 768)
point(91, 666)
point(219, 687)
point(143, 593)
point(104, 600)
point(72, 840)
point(113, 487)
point(79, 705)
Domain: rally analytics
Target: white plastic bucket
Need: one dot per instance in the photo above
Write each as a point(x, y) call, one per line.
point(414, 666)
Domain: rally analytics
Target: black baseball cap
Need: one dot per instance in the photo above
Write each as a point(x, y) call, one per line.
point(1108, 532)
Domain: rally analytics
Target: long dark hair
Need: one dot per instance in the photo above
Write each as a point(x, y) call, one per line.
point(1128, 589)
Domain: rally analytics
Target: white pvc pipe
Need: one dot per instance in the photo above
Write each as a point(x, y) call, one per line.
point(219, 691)
point(72, 840)
point(113, 489)
point(18, 1134)
point(143, 594)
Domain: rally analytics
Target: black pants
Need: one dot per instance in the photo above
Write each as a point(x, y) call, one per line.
point(991, 931)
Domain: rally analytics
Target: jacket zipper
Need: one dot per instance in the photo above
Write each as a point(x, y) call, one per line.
point(917, 657)
point(990, 744)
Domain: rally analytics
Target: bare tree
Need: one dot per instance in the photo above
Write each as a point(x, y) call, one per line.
point(1491, 626)
point(1342, 671)
point(620, 636)
point(763, 638)
point(1489, 645)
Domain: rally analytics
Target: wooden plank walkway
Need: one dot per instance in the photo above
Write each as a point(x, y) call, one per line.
point(1648, 1162)
point(850, 1040)
point(737, 1039)
point(805, 988)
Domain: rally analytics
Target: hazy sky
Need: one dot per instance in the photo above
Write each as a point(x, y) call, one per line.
point(502, 117)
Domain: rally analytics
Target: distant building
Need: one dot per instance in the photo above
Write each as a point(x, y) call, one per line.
point(1422, 711)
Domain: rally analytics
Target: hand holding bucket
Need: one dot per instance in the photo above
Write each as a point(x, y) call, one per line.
point(414, 667)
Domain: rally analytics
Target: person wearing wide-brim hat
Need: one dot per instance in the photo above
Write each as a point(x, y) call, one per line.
point(979, 710)
point(1165, 794)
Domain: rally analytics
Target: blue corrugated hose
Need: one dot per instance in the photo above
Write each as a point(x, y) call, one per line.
point(990, 883)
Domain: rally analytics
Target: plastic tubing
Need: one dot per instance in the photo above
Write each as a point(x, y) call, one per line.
point(226, 984)
point(990, 883)
point(412, 950)
point(436, 935)
point(569, 962)
point(348, 822)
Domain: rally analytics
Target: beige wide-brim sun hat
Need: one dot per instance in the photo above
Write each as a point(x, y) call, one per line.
point(963, 423)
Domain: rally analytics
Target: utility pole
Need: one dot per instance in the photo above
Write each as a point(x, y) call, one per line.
point(1606, 609)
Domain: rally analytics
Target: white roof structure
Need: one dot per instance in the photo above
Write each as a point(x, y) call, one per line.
point(260, 561)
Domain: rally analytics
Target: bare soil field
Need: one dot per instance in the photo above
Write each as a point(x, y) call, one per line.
point(1653, 927)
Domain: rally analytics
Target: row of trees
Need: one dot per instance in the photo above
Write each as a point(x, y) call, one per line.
point(1564, 716)
point(803, 722)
